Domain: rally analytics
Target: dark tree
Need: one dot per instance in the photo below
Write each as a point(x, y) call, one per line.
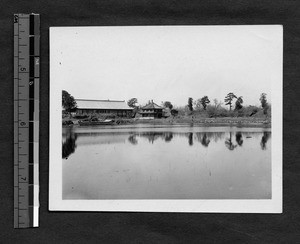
point(238, 103)
point(190, 104)
point(68, 102)
point(168, 104)
point(132, 102)
point(204, 101)
point(228, 99)
point(264, 104)
point(174, 112)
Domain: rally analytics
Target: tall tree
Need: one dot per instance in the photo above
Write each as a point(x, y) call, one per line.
point(68, 102)
point(190, 104)
point(238, 103)
point(204, 101)
point(264, 103)
point(132, 102)
point(168, 104)
point(228, 99)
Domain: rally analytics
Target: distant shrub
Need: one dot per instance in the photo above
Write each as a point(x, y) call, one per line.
point(214, 111)
point(80, 116)
point(67, 122)
point(250, 110)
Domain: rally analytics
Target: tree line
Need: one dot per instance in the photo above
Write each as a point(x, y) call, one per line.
point(230, 99)
point(234, 102)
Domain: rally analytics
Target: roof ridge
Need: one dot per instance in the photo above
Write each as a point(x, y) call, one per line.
point(79, 99)
point(153, 105)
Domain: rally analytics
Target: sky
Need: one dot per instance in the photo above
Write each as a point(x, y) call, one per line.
point(166, 63)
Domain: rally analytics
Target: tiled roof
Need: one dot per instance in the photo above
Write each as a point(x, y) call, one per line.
point(152, 105)
point(101, 104)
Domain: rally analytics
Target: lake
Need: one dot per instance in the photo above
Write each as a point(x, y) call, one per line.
point(166, 162)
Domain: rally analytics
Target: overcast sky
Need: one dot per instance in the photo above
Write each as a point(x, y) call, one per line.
point(166, 63)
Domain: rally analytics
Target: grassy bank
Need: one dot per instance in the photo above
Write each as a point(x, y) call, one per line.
point(228, 121)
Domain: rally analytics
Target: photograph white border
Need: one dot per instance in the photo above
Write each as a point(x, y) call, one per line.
point(274, 205)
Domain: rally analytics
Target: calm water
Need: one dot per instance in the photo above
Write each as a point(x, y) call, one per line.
point(178, 162)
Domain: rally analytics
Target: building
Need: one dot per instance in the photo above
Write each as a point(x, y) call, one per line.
point(152, 110)
point(119, 108)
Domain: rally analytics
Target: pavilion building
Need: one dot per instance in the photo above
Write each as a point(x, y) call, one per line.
point(151, 110)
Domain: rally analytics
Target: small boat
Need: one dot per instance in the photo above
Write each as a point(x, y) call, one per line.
point(95, 122)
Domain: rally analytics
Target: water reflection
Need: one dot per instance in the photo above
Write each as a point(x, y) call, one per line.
point(264, 140)
point(168, 137)
point(178, 162)
point(132, 139)
point(228, 142)
point(190, 136)
point(204, 138)
point(239, 138)
point(69, 145)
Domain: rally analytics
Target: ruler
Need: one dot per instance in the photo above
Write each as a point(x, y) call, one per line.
point(26, 119)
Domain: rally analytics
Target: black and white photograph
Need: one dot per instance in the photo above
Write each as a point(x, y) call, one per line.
point(166, 118)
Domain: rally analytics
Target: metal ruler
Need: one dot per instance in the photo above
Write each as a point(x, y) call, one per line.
point(26, 119)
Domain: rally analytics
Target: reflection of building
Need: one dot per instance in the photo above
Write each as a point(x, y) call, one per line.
point(152, 110)
point(120, 108)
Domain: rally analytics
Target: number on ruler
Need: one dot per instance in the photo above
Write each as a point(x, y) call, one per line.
point(37, 61)
point(16, 18)
point(22, 123)
point(22, 69)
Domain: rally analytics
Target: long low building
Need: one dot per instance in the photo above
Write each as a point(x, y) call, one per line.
point(119, 108)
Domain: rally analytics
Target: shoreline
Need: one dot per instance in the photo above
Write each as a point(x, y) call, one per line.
point(205, 122)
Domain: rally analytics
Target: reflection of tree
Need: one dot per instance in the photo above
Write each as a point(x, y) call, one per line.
point(229, 143)
point(69, 146)
point(191, 139)
point(168, 137)
point(205, 137)
point(264, 140)
point(239, 138)
point(205, 140)
point(152, 136)
point(132, 139)
point(217, 135)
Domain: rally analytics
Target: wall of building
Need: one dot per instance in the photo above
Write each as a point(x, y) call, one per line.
point(120, 113)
